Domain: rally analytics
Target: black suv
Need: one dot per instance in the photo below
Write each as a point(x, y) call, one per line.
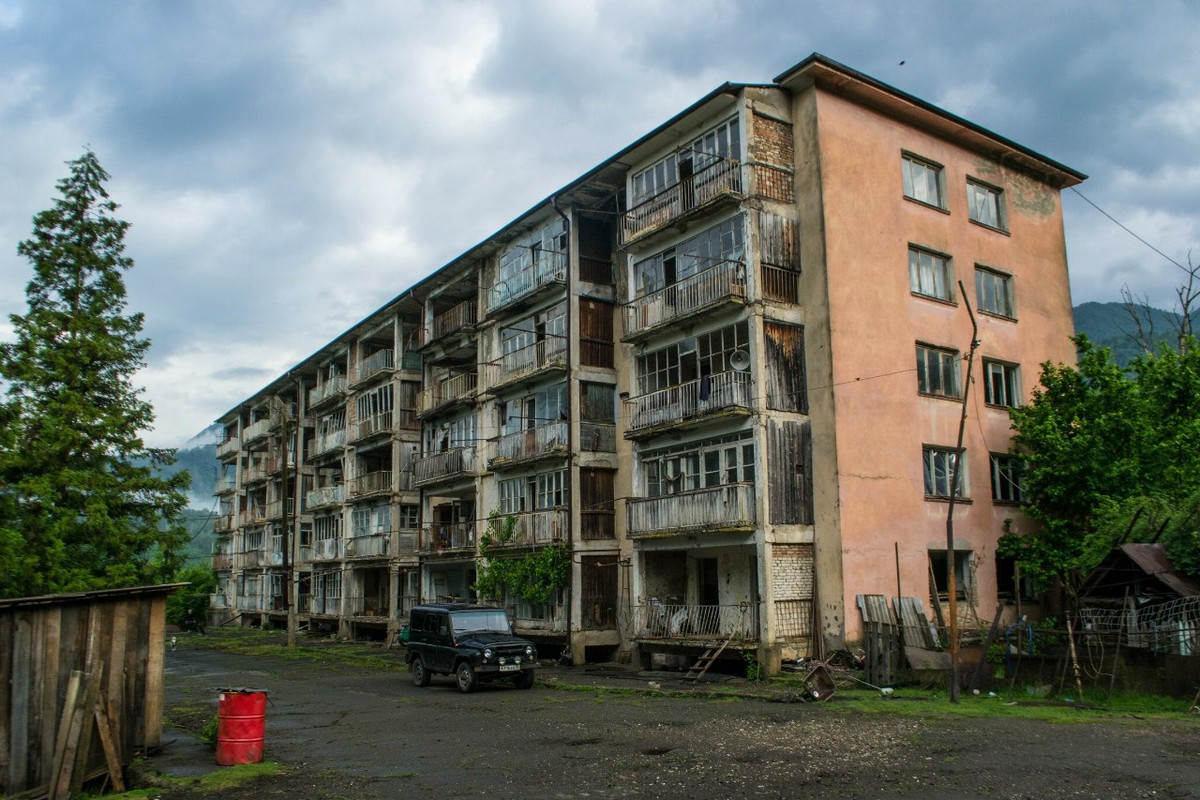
point(473, 643)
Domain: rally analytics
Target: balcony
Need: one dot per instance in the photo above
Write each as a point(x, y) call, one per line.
point(259, 429)
point(530, 618)
point(274, 509)
point(408, 543)
point(447, 392)
point(373, 545)
point(324, 606)
point(779, 284)
point(720, 181)
point(451, 538)
point(223, 523)
point(329, 442)
point(249, 602)
point(716, 510)
point(229, 446)
point(542, 441)
point(451, 464)
point(548, 269)
point(375, 425)
point(334, 387)
point(370, 607)
point(222, 559)
point(224, 485)
point(324, 496)
point(379, 482)
point(689, 623)
point(326, 550)
point(690, 402)
point(722, 283)
point(533, 528)
point(461, 317)
point(258, 471)
point(218, 600)
point(520, 364)
point(372, 365)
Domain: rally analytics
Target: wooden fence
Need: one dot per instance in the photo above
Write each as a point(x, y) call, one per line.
point(81, 687)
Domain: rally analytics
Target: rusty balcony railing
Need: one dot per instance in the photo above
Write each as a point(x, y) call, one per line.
point(779, 284)
point(379, 361)
point(722, 178)
point(447, 390)
point(675, 404)
point(448, 536)
point(442, 466)
point(331, 440)
point(407, 542)
point(656, 620)
point(720, 508)
point(382, 422)
point(371, 483)
point(541, 440)
point(536, 528)
point(454, 319)
point(720, 283)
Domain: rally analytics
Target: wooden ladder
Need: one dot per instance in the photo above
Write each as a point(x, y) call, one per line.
point(706, 660)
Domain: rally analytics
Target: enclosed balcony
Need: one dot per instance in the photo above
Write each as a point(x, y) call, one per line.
point(717, 183)
point(367, 546)
point(537, 618)
point(716, 510)
point(377, 362)
point(689, 403)
point(451, 390)
point(454, 463)
point(379, 482)
point(326, 550)
point(724, 282)
point(324, 496)
point(685, 623)
point(450, 537)
point(549, 269)
point(333, 388)
point(531, 444)
point(532, 528)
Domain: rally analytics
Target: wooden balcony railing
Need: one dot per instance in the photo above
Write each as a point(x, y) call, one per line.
point(720, 283)
point(720, 508)
point(723, 178)
point(442, 466)
point(695, 398)
point(656, 620)
point(536, 442)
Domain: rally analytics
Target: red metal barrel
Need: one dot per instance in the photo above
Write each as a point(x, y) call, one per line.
point(241, 720)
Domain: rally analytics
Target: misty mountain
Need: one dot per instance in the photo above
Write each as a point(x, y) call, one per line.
point(1110, 325)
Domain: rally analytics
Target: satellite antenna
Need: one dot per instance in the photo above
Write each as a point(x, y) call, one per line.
point(740, 360)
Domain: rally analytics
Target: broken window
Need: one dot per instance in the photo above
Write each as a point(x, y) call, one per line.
point(962, 573)
point(937, 371)
point(994, 292)
point(1001, 383)
point(704, 355)
point(699, 465)
point(717, 245)
point(1006, 477)
point(939, 465)
point(986, 204)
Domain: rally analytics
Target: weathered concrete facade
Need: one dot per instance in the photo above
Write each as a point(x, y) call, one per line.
point(691, 371)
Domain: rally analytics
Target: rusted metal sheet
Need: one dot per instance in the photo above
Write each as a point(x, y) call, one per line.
point(789, 472)
point(786, 381)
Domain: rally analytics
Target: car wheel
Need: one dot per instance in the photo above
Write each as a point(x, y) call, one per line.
point(464, 676)
point(524, 680)
point(420, 675)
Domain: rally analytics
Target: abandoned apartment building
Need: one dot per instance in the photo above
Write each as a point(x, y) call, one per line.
point(721, 372)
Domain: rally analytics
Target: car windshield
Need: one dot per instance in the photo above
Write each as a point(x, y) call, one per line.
point(464, 621)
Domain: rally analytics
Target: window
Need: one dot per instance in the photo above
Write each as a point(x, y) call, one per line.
point(710, 248)
point(939, 472)
point(410, 517)
point(706, 464)
point(929, 274)
point(937, 371)
point(986, 205)
point(1002, 383)
point(923, 181)
point(994, 293)
point(962, 573)
point(1006, 478)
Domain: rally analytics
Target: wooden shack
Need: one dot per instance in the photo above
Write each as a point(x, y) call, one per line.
point(83, 687)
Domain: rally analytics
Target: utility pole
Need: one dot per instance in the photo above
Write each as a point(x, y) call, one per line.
point(951, 577)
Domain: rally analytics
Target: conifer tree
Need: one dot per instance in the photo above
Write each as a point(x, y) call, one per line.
point(81, 504)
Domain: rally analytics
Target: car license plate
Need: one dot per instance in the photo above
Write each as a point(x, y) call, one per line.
point(509, 667)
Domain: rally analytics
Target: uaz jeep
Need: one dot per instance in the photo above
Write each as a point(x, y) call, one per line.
point(473, 643)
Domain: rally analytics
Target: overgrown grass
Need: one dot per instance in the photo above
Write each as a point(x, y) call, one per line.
point(319, 651)
point(224, 778)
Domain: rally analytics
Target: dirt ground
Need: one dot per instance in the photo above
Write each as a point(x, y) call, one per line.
point(347, 732)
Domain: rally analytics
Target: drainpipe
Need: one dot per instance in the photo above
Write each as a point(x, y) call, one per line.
point(571, 422)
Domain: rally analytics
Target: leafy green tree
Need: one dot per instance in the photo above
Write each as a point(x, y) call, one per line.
point(1099, 443)
point(192, 602)
point(81, 505)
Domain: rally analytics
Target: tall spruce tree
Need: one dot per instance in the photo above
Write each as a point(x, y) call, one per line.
point(81, 504)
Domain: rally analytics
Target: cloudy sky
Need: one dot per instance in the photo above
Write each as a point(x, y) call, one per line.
point(290, 166)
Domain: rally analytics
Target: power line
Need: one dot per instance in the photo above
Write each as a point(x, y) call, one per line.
point(1120, 225)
